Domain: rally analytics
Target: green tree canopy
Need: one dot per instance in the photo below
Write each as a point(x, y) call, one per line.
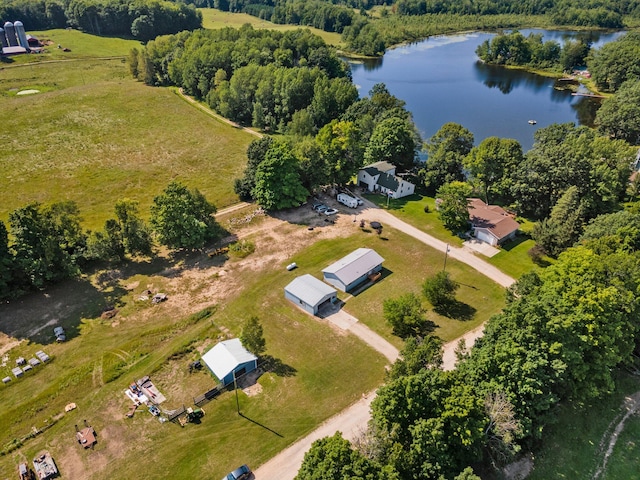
point(278, 183)
point(252, 336)
point(446, 150)
point(453, 207)
point(332, 458)
point(340, 144)
point(48, 242)
point(492, 163)
point(406, 316)
point(183, 218)
point(440, 290)
point(616, 62)
point(393, 140)
point(619, 115)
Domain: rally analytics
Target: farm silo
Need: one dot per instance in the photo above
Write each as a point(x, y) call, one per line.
point(20, 34)
point(10, 32)
point(3, 39)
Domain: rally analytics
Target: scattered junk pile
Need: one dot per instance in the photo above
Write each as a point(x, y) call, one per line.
point(44, 466)
point(25, 472)
point(155, 299)
point(144, 392)
point(87, 436)
point(218, 251)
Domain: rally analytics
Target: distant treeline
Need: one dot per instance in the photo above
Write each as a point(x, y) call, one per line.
point(142, 19)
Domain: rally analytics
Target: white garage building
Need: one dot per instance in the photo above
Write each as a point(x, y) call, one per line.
point(309, 293)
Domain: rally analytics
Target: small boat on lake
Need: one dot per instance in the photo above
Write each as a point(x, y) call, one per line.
point(532, 122)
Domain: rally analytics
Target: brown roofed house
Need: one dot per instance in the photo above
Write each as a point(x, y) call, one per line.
point(491, 223)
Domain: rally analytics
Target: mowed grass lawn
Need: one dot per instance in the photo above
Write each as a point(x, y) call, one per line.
point(215, 19)
point(572, 447)
point(321, 372)
point(407, 263)
point(513, 258)
point(95, 135)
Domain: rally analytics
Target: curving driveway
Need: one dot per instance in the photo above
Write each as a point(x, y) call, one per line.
point(353, 420)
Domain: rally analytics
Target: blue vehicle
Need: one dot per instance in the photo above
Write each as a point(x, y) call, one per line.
point(240, 473)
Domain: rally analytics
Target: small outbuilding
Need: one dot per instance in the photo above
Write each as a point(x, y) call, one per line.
point(352, 270)
point(229, 360)
point(309, 293)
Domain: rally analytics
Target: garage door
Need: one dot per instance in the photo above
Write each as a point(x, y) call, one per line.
point(486, 237)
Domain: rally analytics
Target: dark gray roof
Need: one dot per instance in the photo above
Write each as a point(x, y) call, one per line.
point(388, 181)
point(354, 265)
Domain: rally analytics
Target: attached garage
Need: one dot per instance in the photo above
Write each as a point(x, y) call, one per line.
point(229, 360)
point(309, 293)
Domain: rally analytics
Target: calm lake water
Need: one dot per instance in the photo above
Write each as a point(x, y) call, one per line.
point(442, 81)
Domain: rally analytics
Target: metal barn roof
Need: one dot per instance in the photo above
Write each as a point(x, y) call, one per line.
point(354, 265)
point(226, 356)
point(309, 289)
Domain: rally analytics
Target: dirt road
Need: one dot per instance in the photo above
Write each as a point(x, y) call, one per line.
point(353, 420)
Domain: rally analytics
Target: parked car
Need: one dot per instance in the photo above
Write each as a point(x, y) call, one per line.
point(59, 333)
point(317, 206)
point(322, 209)
point(330, 211)
point(240, 473)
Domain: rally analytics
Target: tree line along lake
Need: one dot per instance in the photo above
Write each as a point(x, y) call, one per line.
point(442, 80)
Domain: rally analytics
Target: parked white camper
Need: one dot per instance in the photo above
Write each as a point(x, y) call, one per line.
point(347, 200)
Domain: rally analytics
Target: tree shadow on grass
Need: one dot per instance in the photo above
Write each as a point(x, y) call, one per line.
point(276, 366)
point(456, 310)
point(34, 315)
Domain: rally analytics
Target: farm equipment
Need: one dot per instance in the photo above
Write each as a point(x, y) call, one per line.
point(193, 416)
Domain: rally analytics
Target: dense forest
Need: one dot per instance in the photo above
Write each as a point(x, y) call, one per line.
point(141, 19)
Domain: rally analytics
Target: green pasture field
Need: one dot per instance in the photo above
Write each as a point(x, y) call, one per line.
point(572, 447)
point(95, 135)
point(214, 19)
point(308, 384)
point(513, 258)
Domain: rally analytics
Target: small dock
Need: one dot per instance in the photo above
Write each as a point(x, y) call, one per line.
point(592, 95)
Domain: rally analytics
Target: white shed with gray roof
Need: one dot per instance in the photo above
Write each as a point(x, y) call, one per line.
point(309, 293)
point(352, 270)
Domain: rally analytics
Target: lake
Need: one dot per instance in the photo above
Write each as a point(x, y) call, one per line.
point(441, 80)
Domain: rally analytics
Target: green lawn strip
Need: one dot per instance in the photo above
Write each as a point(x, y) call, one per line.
point(102, 136)
point(570, 447)
point(513, 258)
point(215, 19)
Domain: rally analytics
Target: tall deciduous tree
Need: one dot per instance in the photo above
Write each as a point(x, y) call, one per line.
point(393, 140)
point(340, 144)
point(252, 336)
point(440, 290)
point(453, 207)
point(333, 458)
point(48, 241)
point(619, 115)
point(492, 163)
point(278, 183)
point(136, 235)
point(446, 151)
point(6, 263)
point(406, 316)
point(183, 218)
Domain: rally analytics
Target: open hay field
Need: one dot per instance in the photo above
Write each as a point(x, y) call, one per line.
point(94, 135)
point(214, 19)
